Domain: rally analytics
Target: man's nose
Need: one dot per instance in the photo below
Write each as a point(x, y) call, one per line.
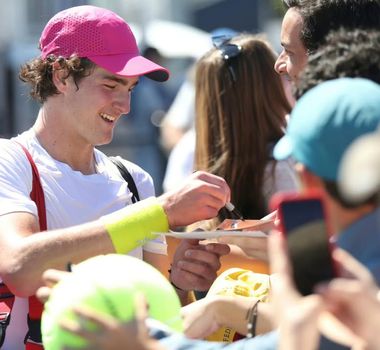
point(280, 64)
point(123, 103)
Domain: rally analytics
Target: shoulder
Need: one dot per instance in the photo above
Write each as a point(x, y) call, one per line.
point(142, 179)
point(285, 165)
point(138, 173)
point(16, 179)
point(12, 157)
point(284, 175)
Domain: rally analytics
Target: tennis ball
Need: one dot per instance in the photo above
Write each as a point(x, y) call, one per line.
point(108, 284)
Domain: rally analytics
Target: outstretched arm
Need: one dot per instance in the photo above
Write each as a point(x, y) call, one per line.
point(27, 252)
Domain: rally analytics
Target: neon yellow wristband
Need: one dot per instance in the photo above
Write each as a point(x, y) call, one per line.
point(134, 225)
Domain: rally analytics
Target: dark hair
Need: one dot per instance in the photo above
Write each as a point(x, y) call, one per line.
point(334, 191)
point(38, 73)
point(322, 16)
point(345, 54)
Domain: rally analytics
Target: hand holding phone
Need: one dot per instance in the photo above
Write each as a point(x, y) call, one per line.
point(303, 221)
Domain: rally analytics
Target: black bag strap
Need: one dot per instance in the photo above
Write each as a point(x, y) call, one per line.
point(127, 177)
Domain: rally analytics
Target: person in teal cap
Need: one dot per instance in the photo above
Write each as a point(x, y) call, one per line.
point(322, 126)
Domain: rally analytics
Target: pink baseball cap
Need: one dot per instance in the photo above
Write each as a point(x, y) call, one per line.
point(101, 36)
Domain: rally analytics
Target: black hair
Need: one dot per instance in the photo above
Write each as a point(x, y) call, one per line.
point(351, 54)
point(321, 16)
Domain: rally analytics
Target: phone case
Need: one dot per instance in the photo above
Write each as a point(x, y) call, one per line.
point(282, 203)
point(281, 197)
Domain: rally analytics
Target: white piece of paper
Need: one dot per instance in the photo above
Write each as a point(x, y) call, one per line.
point(213, 234)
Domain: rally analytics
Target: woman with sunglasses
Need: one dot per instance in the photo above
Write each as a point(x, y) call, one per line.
point(240, 114)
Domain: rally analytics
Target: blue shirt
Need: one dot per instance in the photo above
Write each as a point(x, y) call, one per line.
point(362, 241)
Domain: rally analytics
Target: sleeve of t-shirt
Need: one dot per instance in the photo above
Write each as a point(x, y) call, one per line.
point(145, 187)
point(15, 180)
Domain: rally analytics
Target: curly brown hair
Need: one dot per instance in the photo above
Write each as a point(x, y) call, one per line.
point(38, 73)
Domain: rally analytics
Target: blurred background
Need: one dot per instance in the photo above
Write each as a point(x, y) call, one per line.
point(171, 32)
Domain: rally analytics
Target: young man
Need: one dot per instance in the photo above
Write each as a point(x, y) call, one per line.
point(89, 65)
point(339, 112)
point(307, 22)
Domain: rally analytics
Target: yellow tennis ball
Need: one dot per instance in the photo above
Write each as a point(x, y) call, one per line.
point(108, 284)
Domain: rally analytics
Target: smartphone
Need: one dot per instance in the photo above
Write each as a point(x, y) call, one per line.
point(304, 222)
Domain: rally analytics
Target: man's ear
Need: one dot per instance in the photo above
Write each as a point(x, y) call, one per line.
point(59, 77)
point(308, 180)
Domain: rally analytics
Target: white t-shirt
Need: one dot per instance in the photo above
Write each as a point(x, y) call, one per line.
point(71, 198)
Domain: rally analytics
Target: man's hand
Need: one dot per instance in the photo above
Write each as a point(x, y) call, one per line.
point(110, 333)
point(199, 198)
point(195, 265)
point(296, 316)
point(254, 247)
point(50, 278)
point(354, 299)
point(200, 318)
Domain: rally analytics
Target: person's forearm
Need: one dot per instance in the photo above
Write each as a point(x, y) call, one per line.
point(232, 312)
point(27, 255)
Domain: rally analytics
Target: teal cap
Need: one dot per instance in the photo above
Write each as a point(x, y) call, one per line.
point(326, 120)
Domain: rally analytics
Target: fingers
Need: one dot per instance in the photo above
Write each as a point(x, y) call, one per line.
point(206, 255)
point(279, 261)
point(51, 277)
point(85, 314)
point(282, 279)
point(195, 281)
point(222, 190)
point(95, 334)
point(141, 314)
point(218, 248)
point(351, 268)
point(199, 198)
point(77, 328)
point(253, 247)
point(43, 294)
point(246, 243)
point(204, 267)
point(341, 289)
point(196, 266)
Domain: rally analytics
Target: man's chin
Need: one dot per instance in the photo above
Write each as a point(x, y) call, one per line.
point(104, 142)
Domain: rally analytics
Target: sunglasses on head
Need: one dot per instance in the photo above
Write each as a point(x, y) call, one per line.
point(227, 50)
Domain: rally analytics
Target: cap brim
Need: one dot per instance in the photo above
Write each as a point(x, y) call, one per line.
point(283, 148)
point(131, 65)
point(360, 168)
